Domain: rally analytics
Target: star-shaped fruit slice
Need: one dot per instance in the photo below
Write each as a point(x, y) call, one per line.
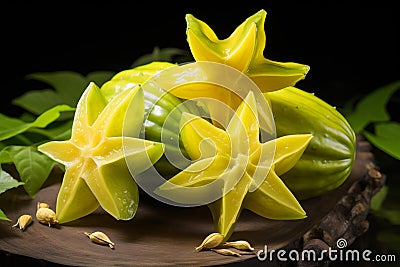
point(243, 50)
point(95, 156)
point(240, 167)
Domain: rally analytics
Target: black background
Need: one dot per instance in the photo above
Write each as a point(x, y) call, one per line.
point(351, 48)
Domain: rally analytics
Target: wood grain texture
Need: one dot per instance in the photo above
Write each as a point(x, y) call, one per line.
point(159, 234)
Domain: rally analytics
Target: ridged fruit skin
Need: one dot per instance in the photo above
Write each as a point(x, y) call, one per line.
point(328, 160)
point(163, 111)
point(162, 125)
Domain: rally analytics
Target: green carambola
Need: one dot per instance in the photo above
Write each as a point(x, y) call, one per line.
point(329, 158)
point(325, 164)
point(163, 111)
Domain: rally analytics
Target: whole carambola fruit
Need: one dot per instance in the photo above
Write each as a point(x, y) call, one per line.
point(329, 157)
point(162, 124)
point(163, 112)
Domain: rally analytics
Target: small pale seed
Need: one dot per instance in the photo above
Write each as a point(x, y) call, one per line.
point(42, 205)
point(46, 216)
point(226, 252)
point(241, 245)
point(23, 221)
point(100, 238)
point(211, 241)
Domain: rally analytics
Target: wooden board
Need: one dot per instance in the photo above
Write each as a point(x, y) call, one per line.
point(159, 234)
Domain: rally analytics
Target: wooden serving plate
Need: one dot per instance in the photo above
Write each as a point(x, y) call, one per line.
point(159, 234)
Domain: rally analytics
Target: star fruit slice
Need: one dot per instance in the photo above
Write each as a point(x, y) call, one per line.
point(243, 50)
point(234, 161)
point(95, 157)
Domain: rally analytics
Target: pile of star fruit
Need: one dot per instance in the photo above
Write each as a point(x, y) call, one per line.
point(313, 151)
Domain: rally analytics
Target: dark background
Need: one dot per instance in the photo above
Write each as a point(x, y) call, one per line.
point(351, 48)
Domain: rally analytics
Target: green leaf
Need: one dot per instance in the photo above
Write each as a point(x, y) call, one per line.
point(389, 214)
point(3, 216)
point(392, 215)
point(7, 181)
point(349, 105)
point(10, 127)
point(4, 156)
point(68, 86)
point(164, 54)
point(372, 108)
point(99, 77)
point(50, 116)
point(60, 132)
point(38, 101)
point(386, 138)
point(33, 167)
point(378, 199)
point(385, 205)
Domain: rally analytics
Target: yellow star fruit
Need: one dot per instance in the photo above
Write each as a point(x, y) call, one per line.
point(95, 156)
point(242, 50)
point(243, 169)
